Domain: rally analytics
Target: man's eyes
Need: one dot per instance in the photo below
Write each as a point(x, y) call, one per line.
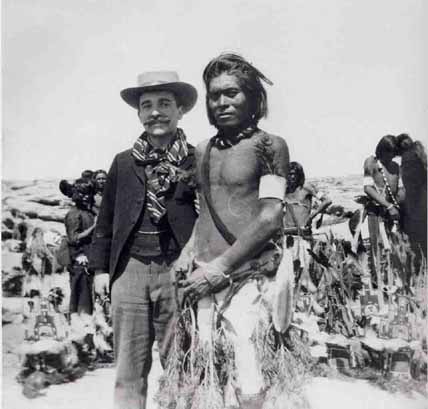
point(162, 104)
point(231, 93)
point(228, 93)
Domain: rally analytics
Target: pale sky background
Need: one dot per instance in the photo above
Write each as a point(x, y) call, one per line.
point(345, 73)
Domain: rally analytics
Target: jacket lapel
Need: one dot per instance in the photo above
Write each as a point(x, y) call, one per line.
point(189, 161)
point(139, 171)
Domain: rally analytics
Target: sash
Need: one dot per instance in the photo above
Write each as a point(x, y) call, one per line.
point(206, 189)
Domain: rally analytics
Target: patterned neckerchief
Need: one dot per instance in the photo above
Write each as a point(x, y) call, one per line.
point(221, 141)
point(161, 168)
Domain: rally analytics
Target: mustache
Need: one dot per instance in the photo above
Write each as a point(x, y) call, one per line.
point(152, 121)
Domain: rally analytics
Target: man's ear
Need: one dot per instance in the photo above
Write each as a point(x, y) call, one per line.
point(180, 112)
point(139, 117)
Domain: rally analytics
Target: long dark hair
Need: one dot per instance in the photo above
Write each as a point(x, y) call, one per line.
point(388, 143)
point(404, 143)
point(249, 78)
point(298, 168)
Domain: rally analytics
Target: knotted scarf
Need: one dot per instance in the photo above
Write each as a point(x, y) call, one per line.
point(161, 167)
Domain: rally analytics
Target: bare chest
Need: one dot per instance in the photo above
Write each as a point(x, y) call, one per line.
point(299, 197)
point(234, 168)
point(381, 178)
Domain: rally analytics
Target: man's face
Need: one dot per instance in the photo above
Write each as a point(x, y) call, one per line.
point(83, 197)
point(101, 180)
point(85, 201)
point(227, 102)
point(159, 113)
point(292, 178)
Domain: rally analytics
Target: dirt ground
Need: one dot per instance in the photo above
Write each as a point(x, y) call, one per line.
point(95, 389)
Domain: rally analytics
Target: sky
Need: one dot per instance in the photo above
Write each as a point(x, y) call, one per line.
point(345, 73)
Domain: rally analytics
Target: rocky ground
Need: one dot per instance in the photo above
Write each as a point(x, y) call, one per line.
point(31, 204)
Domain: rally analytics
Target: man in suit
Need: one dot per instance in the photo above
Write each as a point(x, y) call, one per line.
point(146, 216)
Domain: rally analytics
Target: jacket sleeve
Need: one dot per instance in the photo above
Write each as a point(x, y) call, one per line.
point(73, 228)
point(102, 239)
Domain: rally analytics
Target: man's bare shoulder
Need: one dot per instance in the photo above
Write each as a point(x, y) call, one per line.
point(310, 188)
point(201, 147)
point(276, 141)
point(276, 148)
point(370, 165)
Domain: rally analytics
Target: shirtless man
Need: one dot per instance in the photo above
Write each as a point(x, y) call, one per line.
point(381, 185)
point(298, 217)
point(299, 197)
point(243, 169)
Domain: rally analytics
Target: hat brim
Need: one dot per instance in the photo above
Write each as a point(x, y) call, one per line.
point(185, 93)
point(66, 188)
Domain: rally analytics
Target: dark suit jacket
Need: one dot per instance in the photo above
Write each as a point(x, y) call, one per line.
point(123, 201)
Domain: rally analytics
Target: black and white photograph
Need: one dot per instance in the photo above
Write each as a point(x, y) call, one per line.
point(214, 204)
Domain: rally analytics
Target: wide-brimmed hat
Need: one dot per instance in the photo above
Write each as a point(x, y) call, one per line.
point(66, 188)
point(185, 93)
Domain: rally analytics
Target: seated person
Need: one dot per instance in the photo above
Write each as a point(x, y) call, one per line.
point(37, 261)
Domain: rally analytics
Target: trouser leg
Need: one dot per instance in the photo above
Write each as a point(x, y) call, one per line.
point(74, 275)
point(162, 298)
point(80, 290)
point(133, 336)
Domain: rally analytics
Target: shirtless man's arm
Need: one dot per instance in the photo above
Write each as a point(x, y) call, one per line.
point(186, 258)
point(325, 202)
point(250, 241)
point(370, 189)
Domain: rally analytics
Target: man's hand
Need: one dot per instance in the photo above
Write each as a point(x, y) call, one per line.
point(183, 264)
point(206, 279)
point(394, 213)
point(101, 283)
point(82, 260)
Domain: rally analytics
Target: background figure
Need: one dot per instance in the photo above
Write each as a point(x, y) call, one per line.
point(298, 218)
point(87, 175)
point(79, 225)
point(414, 175)
point(37, 260)
point(100, 179)
point(381, 185)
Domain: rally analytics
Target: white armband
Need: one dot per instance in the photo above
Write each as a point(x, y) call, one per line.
point(400, 182)
point(368, 181)
point(272, 187)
